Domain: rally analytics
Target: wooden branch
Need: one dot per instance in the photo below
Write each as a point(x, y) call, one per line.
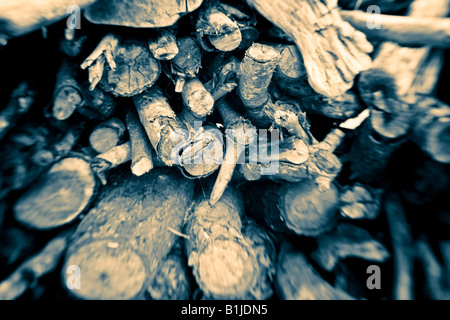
point(402, 248)
point(347, 241)
point(187, 62)
point(141, 150)
point(67, 96)
point(107, 134)
point(37, 266)
point(111, 159)
point(197, 99)
point(216, 247)
point(403, 30)
point(120, 255)
point(165, 131)
point(58, 197)
point(333, 52)
point(298, 280)
point(20, 17)
point(241, 133)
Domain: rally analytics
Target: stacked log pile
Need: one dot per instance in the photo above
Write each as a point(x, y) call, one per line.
point(206, 149)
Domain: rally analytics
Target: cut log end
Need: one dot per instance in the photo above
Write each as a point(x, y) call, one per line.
point(228, 41)
point(309, 211)
point(201, 103)
point(291, 63)
point(58, 197)
point(224, 269)
point(109, 271)
point(262, 53)
point(142, 166)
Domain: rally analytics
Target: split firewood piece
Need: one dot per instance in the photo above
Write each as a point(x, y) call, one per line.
point(165, 131)
point(402, 245)
point(98, 104)
point(360, 202)
point(204, 154)
point(240, 133)
point(120, 245)
point(256, 71)
point(57, 197)
point(347, 241)
point(111, 159)
point(298, 280)
point(403, 63)
point(263, 245)
point(139, 13)
point(197, 99)
point(16, 21)
point(107, 135)
point(380, 135)
point(164, 45)
point(222, 32)
point(223, 263)
point(20, 102)
point(105, 51)
point(437, 279)
point(172, 282)
point(301, 207)
point(431, 129)
point(60, 149)
point(67, 96)
point(187, 62)
point(141, 150)
point(29, 272)
point(333, 51)
point(404, 30)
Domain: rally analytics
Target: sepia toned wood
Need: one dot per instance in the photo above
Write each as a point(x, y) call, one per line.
point(139, 13)
point(216, 247)
point(347, 241)
point(67, 96)
point(141, 150)
point(58, 197)
point(404, 30)
point(165, 131)
point(121, 243)
point(107, 134)
point(332, 50)
point(298, 280)
point(23, 16)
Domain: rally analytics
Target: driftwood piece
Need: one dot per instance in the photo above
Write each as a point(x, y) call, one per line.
point(120, 244)
point(298, 280)
point(139, 13)
point(347, 241)
point(223, 263)
point(20, 17)
point(59, 196)
point(334, 52)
